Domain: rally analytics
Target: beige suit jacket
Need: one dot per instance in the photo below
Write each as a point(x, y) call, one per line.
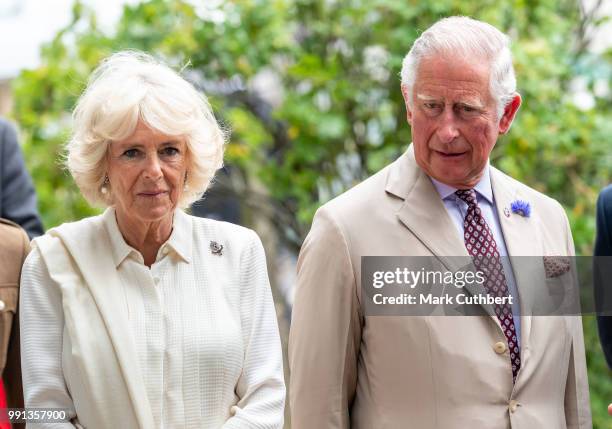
point(13, 251)
point(442, 372)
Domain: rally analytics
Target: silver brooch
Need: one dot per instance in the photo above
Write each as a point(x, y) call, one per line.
point(216, 248)
point(507, 211)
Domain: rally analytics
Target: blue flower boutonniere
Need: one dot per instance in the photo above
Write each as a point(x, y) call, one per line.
point(521, 207)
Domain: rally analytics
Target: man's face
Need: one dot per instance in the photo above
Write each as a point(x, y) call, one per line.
point(454, 119)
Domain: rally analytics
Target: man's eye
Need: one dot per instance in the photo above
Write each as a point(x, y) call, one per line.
point(468, 110)
point(432, 108)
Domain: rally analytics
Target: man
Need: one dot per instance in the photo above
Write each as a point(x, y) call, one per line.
point(353, 370)
point(603, 286)
point(17, 196)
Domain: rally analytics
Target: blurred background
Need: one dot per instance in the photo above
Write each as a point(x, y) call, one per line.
point(310, 92)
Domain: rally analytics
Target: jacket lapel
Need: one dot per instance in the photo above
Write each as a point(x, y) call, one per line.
point(89, 245)
point(424, 214)
point(523, 241)
point(520, 234)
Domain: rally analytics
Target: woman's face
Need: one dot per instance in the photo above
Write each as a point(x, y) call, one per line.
point(147, 172)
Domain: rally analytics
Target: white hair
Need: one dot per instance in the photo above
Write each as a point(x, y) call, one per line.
point(460, 35)
point(128, 87)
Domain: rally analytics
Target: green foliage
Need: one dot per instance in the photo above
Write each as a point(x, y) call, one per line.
point(340, 115)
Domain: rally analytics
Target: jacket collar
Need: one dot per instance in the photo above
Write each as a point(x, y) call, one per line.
point(424, 214)
point(423, 211)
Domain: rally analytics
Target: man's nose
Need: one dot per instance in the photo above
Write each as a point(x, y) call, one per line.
point(448, 130)
point(153, 167)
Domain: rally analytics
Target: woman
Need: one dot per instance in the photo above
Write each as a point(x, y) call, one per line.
point(145, 316)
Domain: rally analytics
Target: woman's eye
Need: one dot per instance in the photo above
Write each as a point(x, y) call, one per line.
point(170, 151)
point(131, 153)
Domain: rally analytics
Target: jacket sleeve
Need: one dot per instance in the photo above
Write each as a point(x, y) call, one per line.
point(325, 330)
point(261, 386)
point(12, 373)
point(42, 323)
point(18, 197)
point(577, 402)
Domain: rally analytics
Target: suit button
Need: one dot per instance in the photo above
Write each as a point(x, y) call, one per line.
point(499, 347)
point(513, 405)
point(2, 305)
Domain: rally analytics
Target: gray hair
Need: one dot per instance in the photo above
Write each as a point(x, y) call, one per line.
point(460, 35)
point(128, 87)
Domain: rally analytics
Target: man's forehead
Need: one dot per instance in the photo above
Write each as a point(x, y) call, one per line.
point(448, 73)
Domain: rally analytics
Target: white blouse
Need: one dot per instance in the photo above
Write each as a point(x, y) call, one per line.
point(204, 340)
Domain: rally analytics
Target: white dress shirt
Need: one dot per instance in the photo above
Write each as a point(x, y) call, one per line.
point(205, 342)
point(457, 209)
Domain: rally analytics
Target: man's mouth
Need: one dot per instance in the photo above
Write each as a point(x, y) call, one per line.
point(450, 155)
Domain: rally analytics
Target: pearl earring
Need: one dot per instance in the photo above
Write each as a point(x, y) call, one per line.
point(104, 187)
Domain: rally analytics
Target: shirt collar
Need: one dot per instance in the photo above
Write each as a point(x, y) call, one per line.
point(483, 187)
point(179, 241)
point(181, 238)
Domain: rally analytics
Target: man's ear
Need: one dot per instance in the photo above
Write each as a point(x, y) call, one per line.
point(407, 103)
point(509, 113)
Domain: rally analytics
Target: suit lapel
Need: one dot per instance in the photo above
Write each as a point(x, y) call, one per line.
point(520, 234)
point(424, 214)
point(523, 241)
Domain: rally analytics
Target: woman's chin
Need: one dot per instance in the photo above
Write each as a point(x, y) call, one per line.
point(150, 212)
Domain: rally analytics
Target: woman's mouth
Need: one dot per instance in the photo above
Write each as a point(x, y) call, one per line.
point(152, 194)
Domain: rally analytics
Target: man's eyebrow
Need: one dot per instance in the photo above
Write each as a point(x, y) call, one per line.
point(474, 103)
point(426, 97)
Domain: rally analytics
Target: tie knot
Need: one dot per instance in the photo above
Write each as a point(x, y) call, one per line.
point(467, 195)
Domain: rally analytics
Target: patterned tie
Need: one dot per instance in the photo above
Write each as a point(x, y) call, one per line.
point(481, 244)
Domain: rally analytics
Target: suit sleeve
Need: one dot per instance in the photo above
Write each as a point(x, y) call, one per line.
point(325, 330)
point(603, 288)
point(18, 197)
point(577, 403)
point(12, 374)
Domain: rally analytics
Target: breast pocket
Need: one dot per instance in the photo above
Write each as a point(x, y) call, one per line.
point(8, 307)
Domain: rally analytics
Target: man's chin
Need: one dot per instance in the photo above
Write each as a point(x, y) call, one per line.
point(456, 179)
